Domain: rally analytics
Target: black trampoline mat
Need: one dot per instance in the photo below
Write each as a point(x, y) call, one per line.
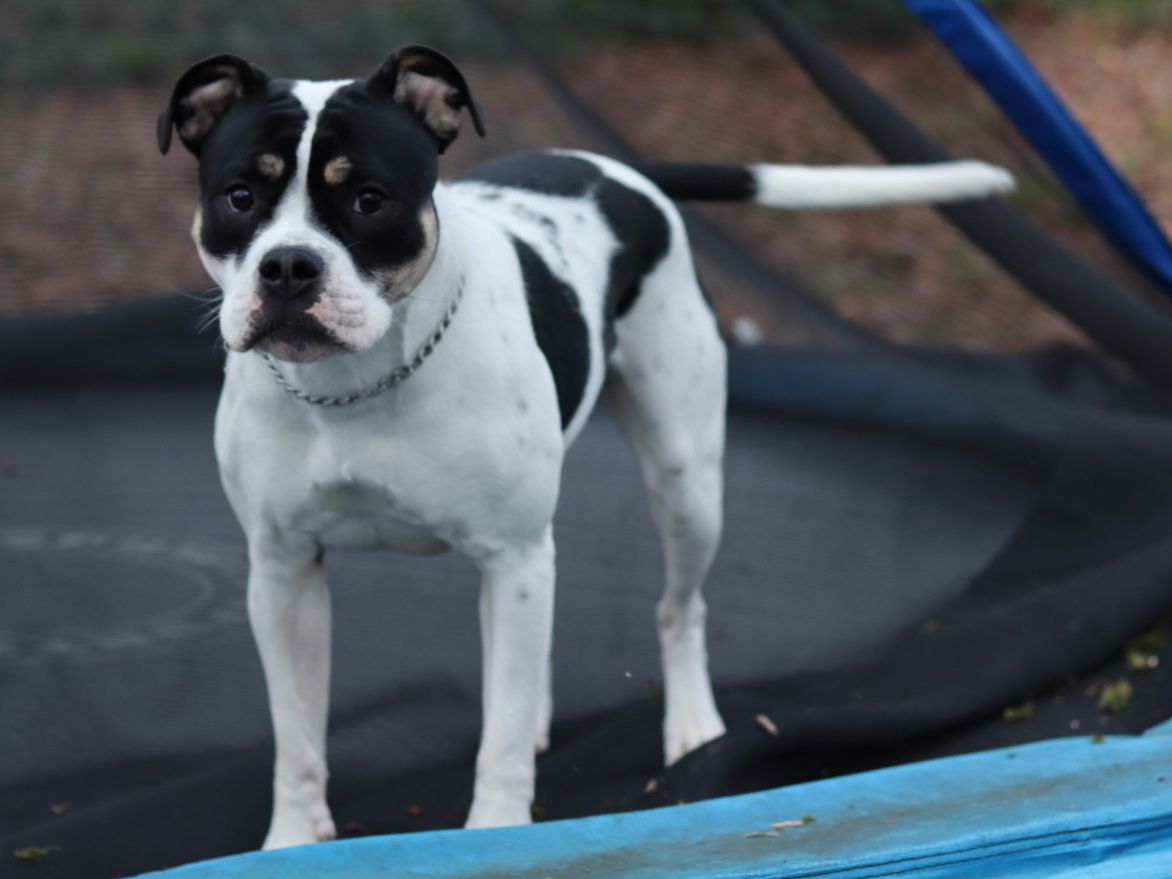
point(126, 550)
point(911, 545)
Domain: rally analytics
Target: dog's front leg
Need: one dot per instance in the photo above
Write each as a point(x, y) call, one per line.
point(289, 608)
point(516, 618)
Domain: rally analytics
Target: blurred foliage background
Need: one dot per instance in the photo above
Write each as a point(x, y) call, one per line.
point(93, 214)
point(47, 42)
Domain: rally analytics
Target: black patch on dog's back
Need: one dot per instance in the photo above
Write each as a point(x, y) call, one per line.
point(539, 172)
point(636, 221)
point(559, 327)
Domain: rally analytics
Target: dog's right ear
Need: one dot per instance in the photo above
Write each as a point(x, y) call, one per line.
point(429, 85)
point(202, 96)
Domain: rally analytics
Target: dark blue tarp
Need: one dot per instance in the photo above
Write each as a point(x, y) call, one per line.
point(992, 59)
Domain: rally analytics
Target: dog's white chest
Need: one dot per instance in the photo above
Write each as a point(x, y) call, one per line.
point(357, 485)
point(352, 513)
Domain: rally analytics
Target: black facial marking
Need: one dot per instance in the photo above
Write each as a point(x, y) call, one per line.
point(559, 327)
point(391, 156)
point(636, 222)
point(268, 120)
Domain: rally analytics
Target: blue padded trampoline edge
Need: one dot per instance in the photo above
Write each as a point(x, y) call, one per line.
point(1039, 809)
point(1161, 729)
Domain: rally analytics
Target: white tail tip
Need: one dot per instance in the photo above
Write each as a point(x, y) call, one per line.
point(803, 186)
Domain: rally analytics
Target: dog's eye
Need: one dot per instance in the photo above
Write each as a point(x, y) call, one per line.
point(369, 202)
point(239, 198)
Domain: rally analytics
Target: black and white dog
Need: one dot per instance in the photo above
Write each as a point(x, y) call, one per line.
point(410, 359)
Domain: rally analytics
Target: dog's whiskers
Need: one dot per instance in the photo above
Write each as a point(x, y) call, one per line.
point(207, 321)
point(215, 294)
point(210, 308)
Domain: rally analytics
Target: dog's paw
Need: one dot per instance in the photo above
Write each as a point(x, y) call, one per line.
point(293, 830)
point(493, 812)
point(689, 727)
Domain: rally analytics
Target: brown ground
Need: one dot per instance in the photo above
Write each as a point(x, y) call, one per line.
point(94, 214)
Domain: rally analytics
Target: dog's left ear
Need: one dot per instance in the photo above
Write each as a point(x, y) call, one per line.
point(428, 84)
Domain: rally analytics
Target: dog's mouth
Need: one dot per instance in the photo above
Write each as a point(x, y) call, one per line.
point(298, 338)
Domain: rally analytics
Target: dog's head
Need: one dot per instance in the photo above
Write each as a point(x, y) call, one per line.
point(315, 209)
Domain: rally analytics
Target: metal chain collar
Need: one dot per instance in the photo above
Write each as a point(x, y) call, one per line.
point(399, 376)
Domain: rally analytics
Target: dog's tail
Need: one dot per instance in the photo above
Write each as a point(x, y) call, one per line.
point(842, 186)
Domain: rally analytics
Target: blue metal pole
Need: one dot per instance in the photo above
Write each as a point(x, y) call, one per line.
point(992, 59)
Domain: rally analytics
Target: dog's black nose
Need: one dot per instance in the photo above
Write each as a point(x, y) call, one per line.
point(291, 272)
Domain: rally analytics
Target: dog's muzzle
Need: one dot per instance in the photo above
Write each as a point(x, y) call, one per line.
point(290, 282)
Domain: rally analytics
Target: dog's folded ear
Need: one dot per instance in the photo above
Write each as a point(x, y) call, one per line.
point(202, 96)
point(428, 84)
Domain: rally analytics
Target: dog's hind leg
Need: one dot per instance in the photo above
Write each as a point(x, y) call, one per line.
point(668, 392)
point(289, 609)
